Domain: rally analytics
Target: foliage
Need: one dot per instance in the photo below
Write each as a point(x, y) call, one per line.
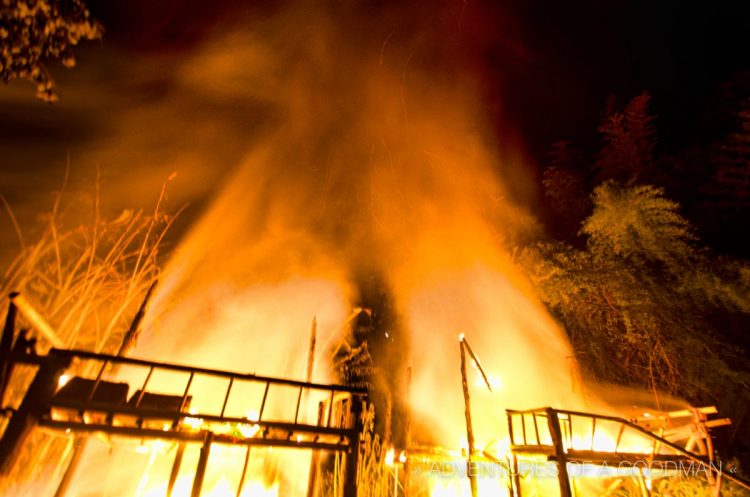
point(628, 137)
point(565, 188)
point(637, 223)
point(33, 31)
point(642, 302)
point(638, 301)
point(729, 189)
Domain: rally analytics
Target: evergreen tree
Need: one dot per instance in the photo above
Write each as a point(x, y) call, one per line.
point(628, 137)
point(565, 188)
point(730, 189)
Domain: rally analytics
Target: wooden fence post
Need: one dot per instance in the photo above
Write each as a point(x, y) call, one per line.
point(553, 422)
point(352, 454)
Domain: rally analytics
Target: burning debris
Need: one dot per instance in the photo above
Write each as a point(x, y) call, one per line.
point(390, 168)
point(547, 451)
point(247, 413)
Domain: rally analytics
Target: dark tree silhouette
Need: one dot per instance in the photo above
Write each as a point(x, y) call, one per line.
point(730, 189)
point(35, 31)
point(565, 188)
point(628, 137)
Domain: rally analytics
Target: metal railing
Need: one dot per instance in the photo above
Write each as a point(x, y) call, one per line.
point(315, 416)
point(572, 436)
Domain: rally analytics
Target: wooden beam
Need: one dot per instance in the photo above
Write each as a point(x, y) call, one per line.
point(34, 403)
point(467, 412)
point(37, 321)
point(176, 467)
point(352, 454)
point(200, 470)
point(562, 462)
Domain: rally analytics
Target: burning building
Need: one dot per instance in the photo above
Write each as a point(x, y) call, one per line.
point(389, 168)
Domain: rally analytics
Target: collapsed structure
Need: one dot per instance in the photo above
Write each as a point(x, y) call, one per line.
point(549, 452)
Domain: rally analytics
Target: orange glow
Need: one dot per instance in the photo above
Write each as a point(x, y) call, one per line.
point(386, 168)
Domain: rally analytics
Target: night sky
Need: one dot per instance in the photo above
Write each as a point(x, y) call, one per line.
point(545, 70)
point(550, 66)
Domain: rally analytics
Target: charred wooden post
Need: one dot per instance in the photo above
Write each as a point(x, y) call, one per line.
point(476, 362)
point(312, 480)
point(388, 422)
point(175, 467)
point(37, 321)
point(311, 353)
point(244, 471)
point(407, 433)
point(200, 470)
point(131, 337)
point(34, 403)
point(75, 458)
point(127, 343)
point(352, 453)
point(314, 461)
point(515, 479)
point(553, 422)
point(6, 345)
point(469, 428)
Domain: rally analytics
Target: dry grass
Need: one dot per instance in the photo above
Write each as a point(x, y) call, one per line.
point(87, 279)
point(373, 476)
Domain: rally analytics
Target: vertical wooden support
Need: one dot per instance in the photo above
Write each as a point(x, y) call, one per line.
point(127, 343)
point(200, 470)
point(311, 352)
point(79, 443)
point(469, 429)
point(515, 480)
point(352, 453)
point(515, 477)
point(6, 345)
point(407, 434)
point(244, 471)
point(388, 422)
point(562, 461)
point(176, 467)
point(37, 321)
point(312, 479)
point(35, 402)
point(645, 492)
point(131, 336)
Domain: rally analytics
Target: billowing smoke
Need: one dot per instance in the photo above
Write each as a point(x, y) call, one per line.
point(374, 156)
point(377, 158)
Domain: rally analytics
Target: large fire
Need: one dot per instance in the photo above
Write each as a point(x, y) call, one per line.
point(387, 168)
point(377, 160)
point(383, 169)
